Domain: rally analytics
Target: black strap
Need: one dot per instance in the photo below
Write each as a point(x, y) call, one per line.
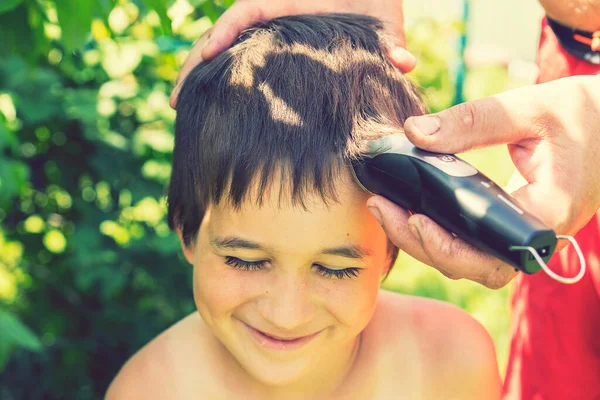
point(566, 38)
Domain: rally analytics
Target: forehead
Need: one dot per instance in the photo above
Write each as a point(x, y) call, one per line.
point(281, 222)
point(281, 189)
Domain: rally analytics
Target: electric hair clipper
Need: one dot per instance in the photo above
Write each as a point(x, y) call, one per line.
point(462, 200)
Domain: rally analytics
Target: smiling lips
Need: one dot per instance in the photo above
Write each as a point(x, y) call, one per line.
point(279, 343)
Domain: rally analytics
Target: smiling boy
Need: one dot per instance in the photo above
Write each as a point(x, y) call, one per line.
point(287, 259)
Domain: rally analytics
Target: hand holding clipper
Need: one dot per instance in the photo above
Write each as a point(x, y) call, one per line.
point(462, 200)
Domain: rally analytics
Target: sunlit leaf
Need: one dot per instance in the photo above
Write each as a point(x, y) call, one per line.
point(156, 139)
point(160, 7)
point(120, 59)
point(55, 241)
point(8, 285)
point(34, 224)
point(104, 7)
point(75, 19)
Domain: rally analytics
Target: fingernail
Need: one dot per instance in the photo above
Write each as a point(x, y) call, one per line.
point(427, 125)
point(401, 54)
point(375, 212)
point(174, 95)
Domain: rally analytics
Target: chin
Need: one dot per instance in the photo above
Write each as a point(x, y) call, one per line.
point(277, 373)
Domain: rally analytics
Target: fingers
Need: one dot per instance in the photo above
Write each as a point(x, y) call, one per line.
point(429, 243)
point(245, 13)
point(457, 259)
point(238, 17)
point(402, 59)
point(395, 38)
point(500, 119)
point(220, 36)
point(193, 59)
point(394, 219)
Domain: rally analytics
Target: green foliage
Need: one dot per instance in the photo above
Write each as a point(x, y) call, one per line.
point(74, 19)
point(9, 5)
point(89, 271)
point(15, 334)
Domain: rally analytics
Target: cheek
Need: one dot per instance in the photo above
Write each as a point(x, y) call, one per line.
point(353, 303)
point(219, 289)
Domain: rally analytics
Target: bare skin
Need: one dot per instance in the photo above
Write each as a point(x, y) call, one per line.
point(546, 139)
point(413, 348)
point(365, 343)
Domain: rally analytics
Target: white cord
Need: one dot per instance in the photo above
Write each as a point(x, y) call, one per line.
point(551, 273)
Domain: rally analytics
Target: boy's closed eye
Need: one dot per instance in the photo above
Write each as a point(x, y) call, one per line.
point(353, 252)
point(335, 273)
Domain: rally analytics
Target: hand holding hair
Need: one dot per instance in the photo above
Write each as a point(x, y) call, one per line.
point(245, 13)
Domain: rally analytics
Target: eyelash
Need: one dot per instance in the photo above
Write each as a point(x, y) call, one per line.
point(326, 272)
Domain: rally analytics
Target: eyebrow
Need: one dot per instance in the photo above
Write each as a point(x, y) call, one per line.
point(352, 251)
point(233, 242)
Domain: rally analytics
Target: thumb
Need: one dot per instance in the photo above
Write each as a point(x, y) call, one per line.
point(500, 119)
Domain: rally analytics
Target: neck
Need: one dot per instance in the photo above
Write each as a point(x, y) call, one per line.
point(323, 381)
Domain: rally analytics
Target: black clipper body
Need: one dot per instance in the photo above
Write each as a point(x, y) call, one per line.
point(456, 196)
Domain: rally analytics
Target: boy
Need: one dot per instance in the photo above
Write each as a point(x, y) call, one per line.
point(287, 259)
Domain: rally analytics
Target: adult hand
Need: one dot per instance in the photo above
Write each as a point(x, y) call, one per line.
point(244, 13)
point(553, 138)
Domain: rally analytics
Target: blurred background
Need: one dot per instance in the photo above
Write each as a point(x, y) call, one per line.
point(89, 271)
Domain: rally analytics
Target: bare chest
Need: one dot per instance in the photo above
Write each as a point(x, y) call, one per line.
point(386, 385)
point(380, 375)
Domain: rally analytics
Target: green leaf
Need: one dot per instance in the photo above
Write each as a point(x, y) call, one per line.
point(16, 37)
point(33, 97)
point(5, 350)
point(8, 5)
point(8, 138)
point(160, 6)
point(113, 282)
point(75, 19)
point(104, 7)
point(13, 333)
point(81, 104)
point(208, 8)
point(13, 175)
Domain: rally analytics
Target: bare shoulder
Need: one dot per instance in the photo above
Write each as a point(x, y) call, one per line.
point(456, 352)
point(158, 370)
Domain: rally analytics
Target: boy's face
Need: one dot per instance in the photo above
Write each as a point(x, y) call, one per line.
point(287, 290)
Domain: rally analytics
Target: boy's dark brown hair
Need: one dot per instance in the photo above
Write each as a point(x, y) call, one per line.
point(294, 97)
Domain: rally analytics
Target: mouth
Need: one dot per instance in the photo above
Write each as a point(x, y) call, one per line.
point(276, 342)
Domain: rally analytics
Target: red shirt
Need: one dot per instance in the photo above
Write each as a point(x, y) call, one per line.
point(555, 328)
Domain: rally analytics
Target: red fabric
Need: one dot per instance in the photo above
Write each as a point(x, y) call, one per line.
point(555, 328)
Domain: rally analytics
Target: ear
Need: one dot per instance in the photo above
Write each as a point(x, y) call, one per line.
point(390, 260)
point(188, 251)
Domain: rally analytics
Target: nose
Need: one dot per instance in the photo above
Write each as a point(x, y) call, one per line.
point(287, 304)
